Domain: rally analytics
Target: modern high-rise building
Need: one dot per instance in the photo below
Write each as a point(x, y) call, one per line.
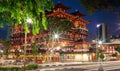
point(102, 33)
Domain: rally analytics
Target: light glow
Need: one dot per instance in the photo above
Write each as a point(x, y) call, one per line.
point(56, 36)
point(58, 48)
point(1, 51)
point(29, 20)
point(100, 42)
point(98, 25)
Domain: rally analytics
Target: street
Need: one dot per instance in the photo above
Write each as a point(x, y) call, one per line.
point(88, 66)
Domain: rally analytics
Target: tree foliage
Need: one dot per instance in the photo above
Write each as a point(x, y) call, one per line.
point(102, 56)
point(94, 5)
point(118, 48)
point(14, 12)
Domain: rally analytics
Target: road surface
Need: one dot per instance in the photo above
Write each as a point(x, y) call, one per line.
point(88, 66)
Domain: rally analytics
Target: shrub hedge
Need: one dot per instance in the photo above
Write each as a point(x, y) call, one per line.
point(28, 67)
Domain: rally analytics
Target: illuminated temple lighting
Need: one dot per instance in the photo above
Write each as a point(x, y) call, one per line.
point(58, 48)
point(56, 36)
point(48, 48)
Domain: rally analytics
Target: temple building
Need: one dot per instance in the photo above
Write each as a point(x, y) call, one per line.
point(74, 48)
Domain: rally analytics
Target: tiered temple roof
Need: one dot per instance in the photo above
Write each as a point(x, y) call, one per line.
point(60, 5)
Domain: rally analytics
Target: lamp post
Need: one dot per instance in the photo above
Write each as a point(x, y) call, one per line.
point(100, 66)
point(29, 21)
point(98, 42)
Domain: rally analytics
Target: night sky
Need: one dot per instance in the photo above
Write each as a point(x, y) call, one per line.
point(97, 18)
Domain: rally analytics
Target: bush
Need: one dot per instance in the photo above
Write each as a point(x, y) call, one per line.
point(28, 67)
point(15, 69)
point(31, 66)
point(5, 68)
point(10, 69)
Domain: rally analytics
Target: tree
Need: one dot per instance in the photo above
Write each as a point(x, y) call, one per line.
point(14, 12)
point(94, 5)
point(102, 56)
point(118, 48)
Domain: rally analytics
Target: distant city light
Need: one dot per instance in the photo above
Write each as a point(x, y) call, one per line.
point(20, 50)
point(58, 48)
point(100, 42)
point(98, 25)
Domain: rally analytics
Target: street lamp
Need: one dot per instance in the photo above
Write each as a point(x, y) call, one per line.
point(29, 21)
point(100, 66)
point(98, 25)
point(99, 42)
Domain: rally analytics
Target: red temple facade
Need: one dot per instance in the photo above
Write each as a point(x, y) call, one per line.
point(74, 49)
